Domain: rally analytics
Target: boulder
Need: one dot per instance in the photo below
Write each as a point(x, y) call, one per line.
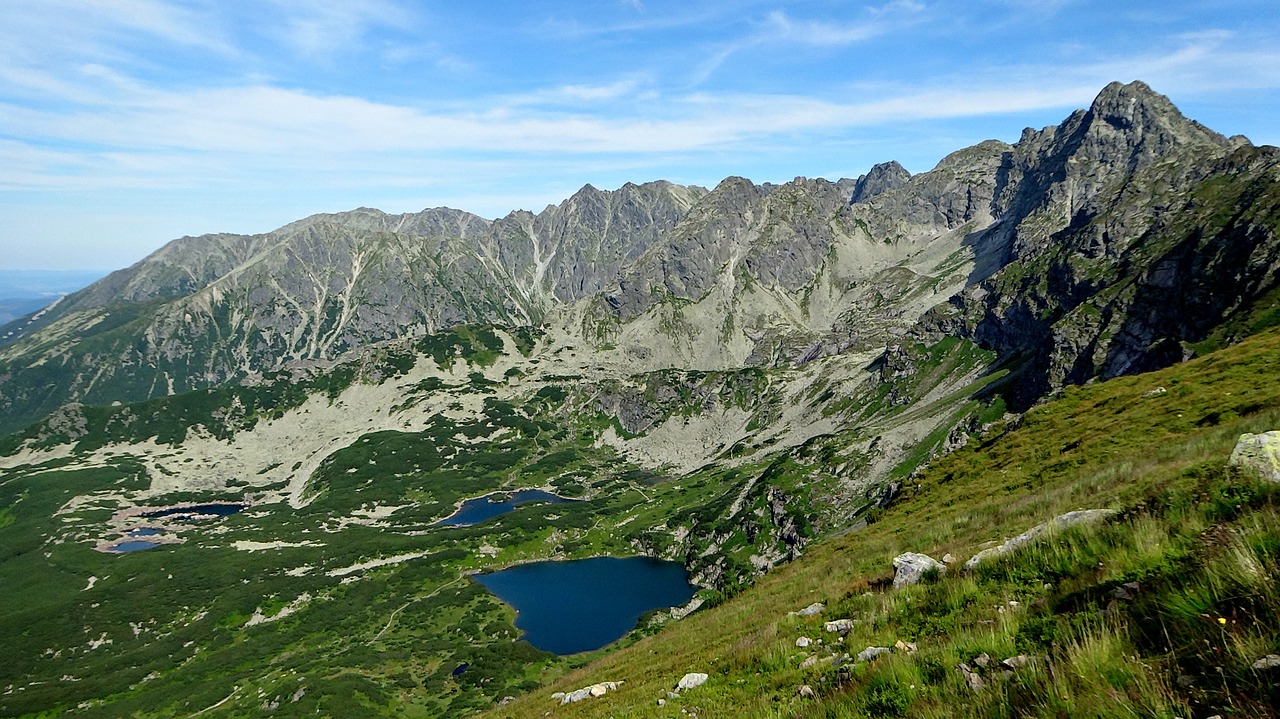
point(971, 678)
point(1017, 662)
point(843, 626)
point(592, 692)
point(1060, 522)
point(911, 567)
point(870, 653)
point(803, 642)
point(805, 691)
point(809, 611)
point(1271, 661)
point(691, 680)
point(1258, 454)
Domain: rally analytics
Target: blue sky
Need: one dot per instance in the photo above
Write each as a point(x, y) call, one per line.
point(127, 123)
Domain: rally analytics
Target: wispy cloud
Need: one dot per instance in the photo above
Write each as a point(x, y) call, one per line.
point(320, 29)
point(104, 28)
point(263, 125)
point(779, 28)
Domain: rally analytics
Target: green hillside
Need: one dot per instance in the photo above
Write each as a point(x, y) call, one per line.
point(1200, 540)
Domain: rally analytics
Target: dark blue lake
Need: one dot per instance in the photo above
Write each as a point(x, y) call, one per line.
point(571, 607)
point(475, 511)
point(216, 509)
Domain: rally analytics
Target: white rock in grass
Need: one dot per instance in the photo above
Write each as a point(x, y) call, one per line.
point(911, 567)
point(809, 611)
point(691, 680)
point(1060, 522)
point(592, 692)
point(870, 653)
point(843, 626)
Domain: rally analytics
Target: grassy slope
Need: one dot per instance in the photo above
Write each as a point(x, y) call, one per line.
point(1202, 542)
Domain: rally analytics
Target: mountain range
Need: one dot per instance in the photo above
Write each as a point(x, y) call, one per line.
point(730, 376)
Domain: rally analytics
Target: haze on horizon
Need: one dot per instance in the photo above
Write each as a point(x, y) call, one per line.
point(127, 123)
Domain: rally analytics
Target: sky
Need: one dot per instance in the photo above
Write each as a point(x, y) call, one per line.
point(127, 123)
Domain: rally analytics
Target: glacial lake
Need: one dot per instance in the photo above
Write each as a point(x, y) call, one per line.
point(477, 510)
point(217, 509)
point(134, 545)
point(577, 606)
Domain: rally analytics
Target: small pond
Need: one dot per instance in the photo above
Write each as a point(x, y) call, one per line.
point(477, 510)
point(217, 509)
point(146, 532)
point(571, 607)
point(135, 545)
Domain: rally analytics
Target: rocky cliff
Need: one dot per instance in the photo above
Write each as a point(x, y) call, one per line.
point(1123, 237)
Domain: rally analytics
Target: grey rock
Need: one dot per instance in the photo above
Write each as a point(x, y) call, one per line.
point(592, 692)
point(1258, 454)
point(803, 642)
point(805, 692)
point(870, 653)
point(811, 610)
point(1017, 662)
point(971, 678)
point(1271, 661)
point(881, 178)
point(910, 568)
point(1058, 523)
point(841, 626)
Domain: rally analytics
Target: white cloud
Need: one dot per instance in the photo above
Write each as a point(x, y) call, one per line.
point(812, 32)
point(138, 130)
point(321, 29)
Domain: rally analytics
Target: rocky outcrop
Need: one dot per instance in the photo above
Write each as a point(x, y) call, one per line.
point(1121, 236)
point(1258, 454)
point(592, 692)
point(1070, 519)
point(911, 567)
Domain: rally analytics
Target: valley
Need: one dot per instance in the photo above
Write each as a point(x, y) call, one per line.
point(239, 477)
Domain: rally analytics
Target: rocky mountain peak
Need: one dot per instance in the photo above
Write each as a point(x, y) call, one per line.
point(1148, 119)
point(881, 178)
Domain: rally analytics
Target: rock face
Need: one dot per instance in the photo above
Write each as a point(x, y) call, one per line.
point(882, 178)
point(910, 568)
point(1122, 236)
point(1258, 454)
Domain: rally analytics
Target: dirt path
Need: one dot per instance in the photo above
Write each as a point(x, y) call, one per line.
point(392, 618)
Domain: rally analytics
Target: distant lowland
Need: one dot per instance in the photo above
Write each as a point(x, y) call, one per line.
point(25, 291)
